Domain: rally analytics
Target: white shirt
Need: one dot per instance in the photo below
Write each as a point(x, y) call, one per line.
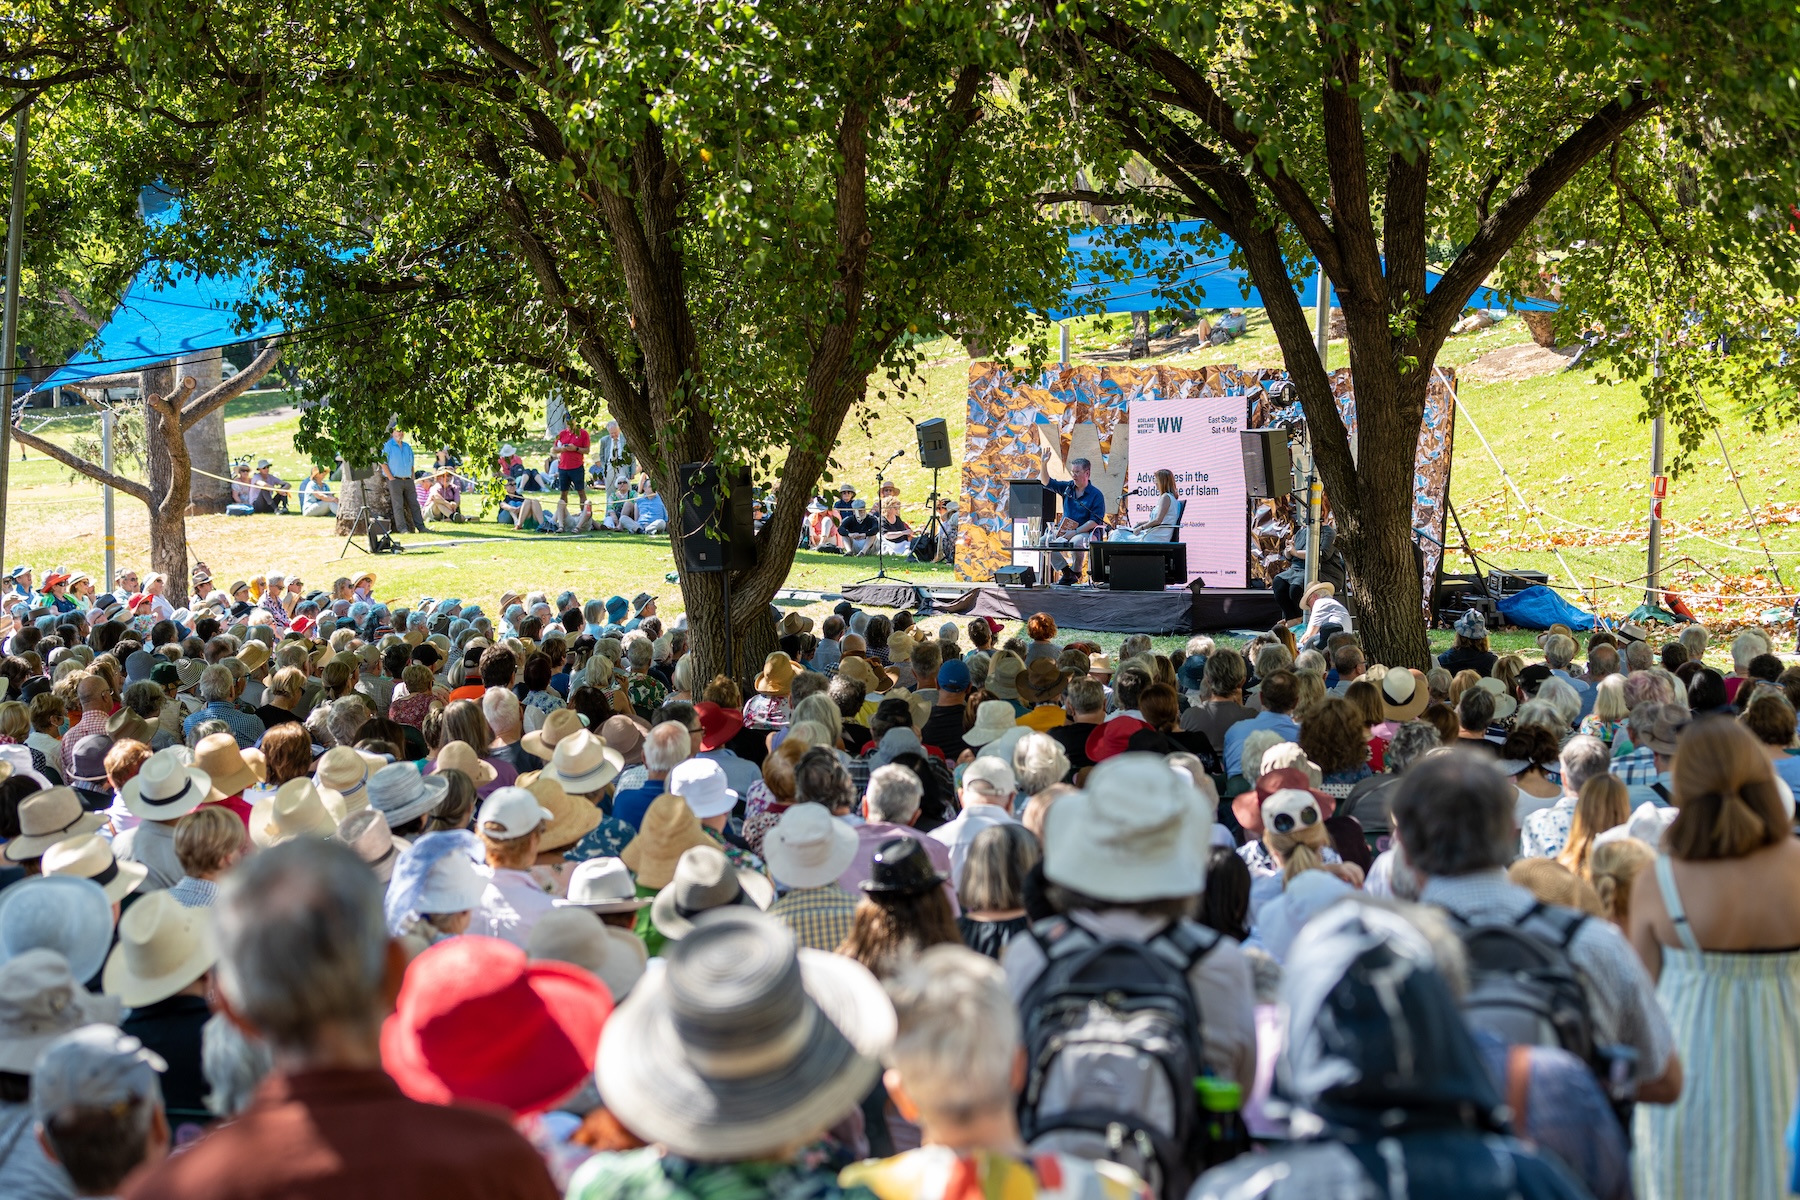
point(162, 608)
point(510, 906)
point(960, 834)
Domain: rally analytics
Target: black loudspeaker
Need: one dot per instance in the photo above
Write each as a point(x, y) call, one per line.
point(934, 443)
point(1026, 500)
point(1268, 467)
point(715, 538)
point(1016, 577)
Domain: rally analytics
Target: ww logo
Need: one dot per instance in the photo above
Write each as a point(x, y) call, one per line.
point(1168, 424)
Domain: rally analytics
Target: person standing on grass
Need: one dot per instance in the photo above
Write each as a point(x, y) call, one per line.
point(571, 459)
point(397, 470)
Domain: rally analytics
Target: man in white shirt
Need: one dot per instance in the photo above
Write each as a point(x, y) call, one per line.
point(509, 824)
point(988, 790)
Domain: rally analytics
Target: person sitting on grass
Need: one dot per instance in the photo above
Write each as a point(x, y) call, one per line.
point(444, 501)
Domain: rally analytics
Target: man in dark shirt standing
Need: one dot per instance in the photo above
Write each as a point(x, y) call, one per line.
point(305, 964)
point(1084, 508)
point(944, 727)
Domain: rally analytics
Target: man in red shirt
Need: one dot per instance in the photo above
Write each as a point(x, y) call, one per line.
point(571, 459)
point(306, 966)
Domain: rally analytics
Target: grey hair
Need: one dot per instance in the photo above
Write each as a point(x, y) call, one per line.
point(957, 1033)
point(501, 708)
point(641, 653)
point(144, 698)
point(1411, 742)
point(233, 1064)
point(1080, 464)
point(216, 683)
point(348, 714)
point(1310, 660)
point(1583, 757)
point(1639, 657)
point(1541, 713)
point(1087, 695)
point(1039, 761)
point(302, 943)
point(1559, 651)
point(1561, 695)
point(1694, 637)
point(1135, 645)
point(1271, 658)
point(683, 675)
point(592, 611)
point(1454, 812)
point(823, 711)
point(666, 746)
point(894, 795)
point(206, 729)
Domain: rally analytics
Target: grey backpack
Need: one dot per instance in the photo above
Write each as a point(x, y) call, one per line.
point(1113, 1044)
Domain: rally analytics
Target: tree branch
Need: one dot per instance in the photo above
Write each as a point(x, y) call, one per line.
point(1501, 230)
point(75, 462)
point(482, 37)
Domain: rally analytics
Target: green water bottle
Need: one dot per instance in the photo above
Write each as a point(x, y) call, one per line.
point(1221, 1119)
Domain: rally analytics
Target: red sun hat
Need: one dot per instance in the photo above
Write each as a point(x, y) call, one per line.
point(301, 624)
point(718, 724)
point(476, 1022)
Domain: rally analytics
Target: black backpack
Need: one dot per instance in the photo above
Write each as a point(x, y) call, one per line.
point(1113, 1044)
point(1523, 986)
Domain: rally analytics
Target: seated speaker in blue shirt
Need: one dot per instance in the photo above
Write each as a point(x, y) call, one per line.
point(1084, 508)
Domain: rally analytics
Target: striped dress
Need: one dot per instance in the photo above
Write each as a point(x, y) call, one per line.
point(1736, 1019)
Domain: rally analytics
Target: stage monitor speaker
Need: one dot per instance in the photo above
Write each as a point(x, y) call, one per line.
point(934, 443)
point(1268, 467)
point(1016, 577)
point(716, 537)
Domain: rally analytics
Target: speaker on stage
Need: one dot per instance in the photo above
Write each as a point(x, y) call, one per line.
point(934, 443)
point(716, 536)
point(1268, 467)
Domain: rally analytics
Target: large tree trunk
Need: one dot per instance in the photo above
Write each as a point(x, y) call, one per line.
point(170, 476)
point(354, 493)
point(206, 437)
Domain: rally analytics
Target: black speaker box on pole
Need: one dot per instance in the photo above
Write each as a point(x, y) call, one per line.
point(1268, 467)
point(717, 533)
point(934, 443)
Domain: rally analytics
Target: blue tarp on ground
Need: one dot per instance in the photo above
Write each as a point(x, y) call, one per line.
point(1175, 270)
point(1538, 607)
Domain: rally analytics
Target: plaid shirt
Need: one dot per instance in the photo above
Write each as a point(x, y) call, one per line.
point(194, 893)
point(1638, 767)
point(819, 916)
point(92, 721)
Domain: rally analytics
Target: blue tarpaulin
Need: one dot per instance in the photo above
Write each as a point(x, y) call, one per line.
point(159, 321)
point(1538, 607)
point(1124, 274)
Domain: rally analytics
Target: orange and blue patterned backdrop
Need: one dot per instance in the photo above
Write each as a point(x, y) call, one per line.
point(1003, 440)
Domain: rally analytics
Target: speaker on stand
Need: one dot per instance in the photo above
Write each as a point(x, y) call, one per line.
point(934, 452)
point(717, 532)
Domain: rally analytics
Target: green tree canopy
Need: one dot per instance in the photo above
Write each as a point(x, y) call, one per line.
point(712, 221)
point(1640, 159)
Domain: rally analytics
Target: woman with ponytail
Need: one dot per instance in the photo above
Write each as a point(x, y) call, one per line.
point(1604, 803)
point(1717, 922)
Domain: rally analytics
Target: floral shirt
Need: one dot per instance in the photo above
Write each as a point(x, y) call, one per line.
point(761, 811)
point(650, 1174)
point(766, 712)
point(1604, 730)
point(646, 694)
point(1546, 831)
point(605, 840)
point(939, 1173)
point(410, 709)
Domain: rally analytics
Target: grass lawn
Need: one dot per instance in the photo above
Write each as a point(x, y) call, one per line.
point(1576, 451)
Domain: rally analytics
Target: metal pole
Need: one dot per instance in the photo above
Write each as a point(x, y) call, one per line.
point(1653, 572)
point(9, 321)
point(1062, 337)
point(1315, 494)
point(107, 420)
point(1322, 320)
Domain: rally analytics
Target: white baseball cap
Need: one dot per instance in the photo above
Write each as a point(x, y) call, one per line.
point(511, 812)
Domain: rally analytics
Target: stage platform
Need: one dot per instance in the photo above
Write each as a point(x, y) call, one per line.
point(1171, 611)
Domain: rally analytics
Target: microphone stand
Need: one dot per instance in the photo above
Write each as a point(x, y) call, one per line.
point(880, 539)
